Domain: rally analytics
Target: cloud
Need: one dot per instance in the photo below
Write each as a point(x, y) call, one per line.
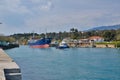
point(58, 22)
point(47, 6)
point(36, 1)
point(42, 5)
point(81, 20)
point(6, 29)
point(56, 15)
point(12, 6)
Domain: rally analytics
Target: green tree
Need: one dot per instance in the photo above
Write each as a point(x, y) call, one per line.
point(109, 35)
point(74, 33)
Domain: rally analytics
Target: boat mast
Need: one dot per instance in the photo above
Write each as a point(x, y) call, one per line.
point(46, 33)
point(33, 36)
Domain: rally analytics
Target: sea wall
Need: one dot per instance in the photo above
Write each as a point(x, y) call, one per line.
point(105, 45)
point(9, 70)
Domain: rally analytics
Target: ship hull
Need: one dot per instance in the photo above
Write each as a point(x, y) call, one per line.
point(40, 46)
point(41, 43)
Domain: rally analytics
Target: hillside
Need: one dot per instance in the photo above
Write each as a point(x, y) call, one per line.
point(113, 27)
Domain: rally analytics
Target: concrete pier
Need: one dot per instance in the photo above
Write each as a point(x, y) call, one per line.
point(9, 70)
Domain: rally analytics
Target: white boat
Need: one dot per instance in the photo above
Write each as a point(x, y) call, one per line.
point(63, 45)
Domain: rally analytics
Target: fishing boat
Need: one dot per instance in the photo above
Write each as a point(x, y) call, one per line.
point(62, 45)
point(39, 43)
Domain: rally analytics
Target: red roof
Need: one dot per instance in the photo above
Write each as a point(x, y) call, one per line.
point(95, 37)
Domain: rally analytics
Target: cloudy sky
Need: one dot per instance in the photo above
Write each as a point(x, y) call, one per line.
point(21, 16)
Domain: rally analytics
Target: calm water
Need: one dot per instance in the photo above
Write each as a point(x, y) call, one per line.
point(68, 64)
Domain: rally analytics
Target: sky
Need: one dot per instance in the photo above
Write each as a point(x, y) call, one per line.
point(26, 16)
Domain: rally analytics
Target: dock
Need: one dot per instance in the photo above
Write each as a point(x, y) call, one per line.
point(9, 70)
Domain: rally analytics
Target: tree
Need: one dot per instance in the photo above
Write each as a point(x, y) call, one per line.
point(109, 35)
point(118, 37)
point(74, 33)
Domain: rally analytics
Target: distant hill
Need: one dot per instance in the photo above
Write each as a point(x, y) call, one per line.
point(113, 27)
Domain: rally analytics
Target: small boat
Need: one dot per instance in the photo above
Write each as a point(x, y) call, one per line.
point(39, 43)
point(62, 45)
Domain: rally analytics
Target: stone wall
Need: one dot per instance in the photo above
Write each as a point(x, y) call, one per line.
point(105, 45)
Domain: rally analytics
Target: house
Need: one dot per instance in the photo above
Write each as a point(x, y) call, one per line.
point(84, 41)
point(96, 39)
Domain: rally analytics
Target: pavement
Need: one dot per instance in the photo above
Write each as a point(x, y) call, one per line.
point(8, 68)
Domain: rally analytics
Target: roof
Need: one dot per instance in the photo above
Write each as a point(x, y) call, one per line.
point(95, 37)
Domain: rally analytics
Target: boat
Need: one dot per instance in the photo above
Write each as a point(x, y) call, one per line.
point(6, 45)
point(39, 43)
point(62, 45)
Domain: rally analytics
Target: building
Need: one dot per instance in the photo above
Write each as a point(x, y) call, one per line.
point(96, 39)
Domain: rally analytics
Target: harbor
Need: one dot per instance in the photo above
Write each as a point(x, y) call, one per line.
point(67, 64)
point(59, 40)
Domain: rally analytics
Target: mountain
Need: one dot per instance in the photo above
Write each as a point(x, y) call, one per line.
point(113, 27)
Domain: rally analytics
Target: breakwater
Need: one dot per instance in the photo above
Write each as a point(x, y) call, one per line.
point(9, 70)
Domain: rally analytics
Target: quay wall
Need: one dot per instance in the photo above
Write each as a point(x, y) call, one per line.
point(105, 46)
point(9, 70)
point(91, 45)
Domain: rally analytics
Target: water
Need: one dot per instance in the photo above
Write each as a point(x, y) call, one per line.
point(68, 64)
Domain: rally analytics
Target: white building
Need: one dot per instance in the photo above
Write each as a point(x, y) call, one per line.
point(96, 39)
